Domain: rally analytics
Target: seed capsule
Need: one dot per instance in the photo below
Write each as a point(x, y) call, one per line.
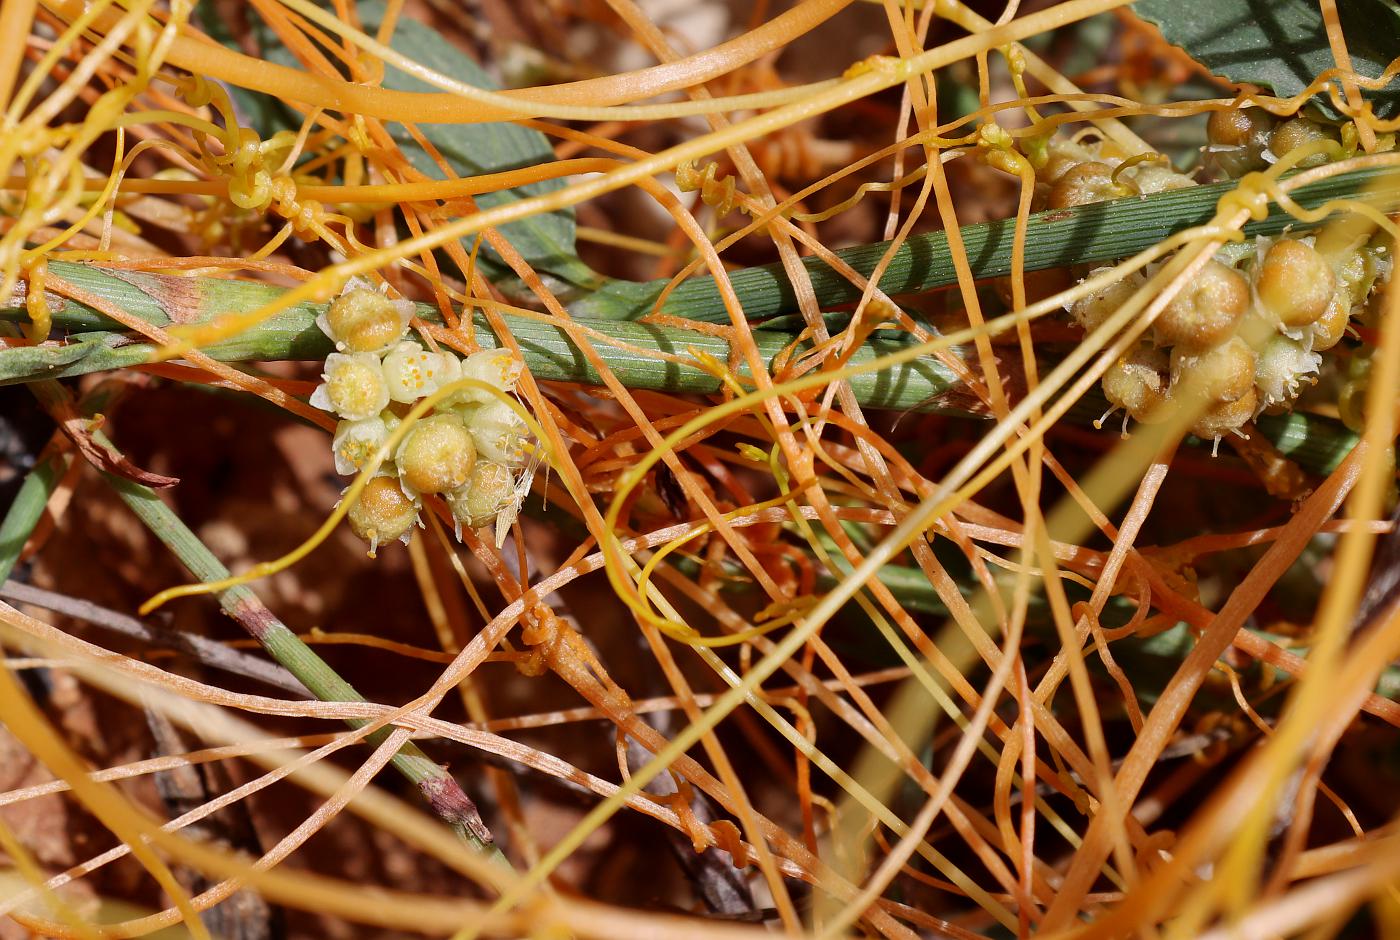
point(1064, 155)
point(412, 372)
point(382, 513)
point(1238, 139)
point(1092, 309)
point(353, 386)
point(1083, 184)
point(355, 442)
point(437, 455)
point(1137, 383)
point(1327, 330)
point(1238, 127)
point(498, 432)
point(1222, 374)
point(489, 489)
point(1295, 283)
point(364, 320)
point(1299, 132)
point(1205, 311)
point(1284, 365)
point(1225, 417)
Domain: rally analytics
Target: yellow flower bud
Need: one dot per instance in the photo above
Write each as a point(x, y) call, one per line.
point(1238, 139)
point(1138, 382)
point(1082, 184)
point(382, 513)
point(1092, 309)
point(436, 455)
point(1300, 131)
point(364, 320)
point(1205, 311)
point(1295, 282)
point(1225, 373)
point(1225, 417)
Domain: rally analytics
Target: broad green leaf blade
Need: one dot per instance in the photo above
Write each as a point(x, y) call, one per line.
point(1282, 44)
point(546, 241)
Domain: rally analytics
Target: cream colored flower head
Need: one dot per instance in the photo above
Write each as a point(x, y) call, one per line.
point(352, 386)
point(412, 372)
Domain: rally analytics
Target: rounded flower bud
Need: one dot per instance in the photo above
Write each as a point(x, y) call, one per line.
point(355, 442)
point(1138, 383)
point(364, 320)
point(1359, 269)
point(1225, 373)
point(1225, 417)
point(1063, 155)
point(412, 372)
point(353, 386)
point(436, 455)
point(1299, 132)
point(383, 512)
point(489, 489)
point(1238, 138)
point(1238, 127)
point(1327, 330)
point(1092, 309)
point(1283, 366)
point(1082, 184)
point(1295, 282)
point(499, 432)
point(1205, 311)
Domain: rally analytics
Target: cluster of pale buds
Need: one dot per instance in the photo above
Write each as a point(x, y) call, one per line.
point(1248, 329)
point(469, 448)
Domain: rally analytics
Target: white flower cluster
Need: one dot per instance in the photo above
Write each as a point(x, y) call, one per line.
point(467, 449)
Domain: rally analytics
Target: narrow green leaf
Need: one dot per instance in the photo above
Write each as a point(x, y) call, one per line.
point(1282, 44)
point(922, 385)
point(1100, 231)
point(25, 363)
point(23, 516)
point(548, 350)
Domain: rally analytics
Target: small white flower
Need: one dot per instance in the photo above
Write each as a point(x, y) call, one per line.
point(496, 367)
point(413, 372)
point(499, 432)
point(353, 386)
point(355, 443)
point(1283, 367)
